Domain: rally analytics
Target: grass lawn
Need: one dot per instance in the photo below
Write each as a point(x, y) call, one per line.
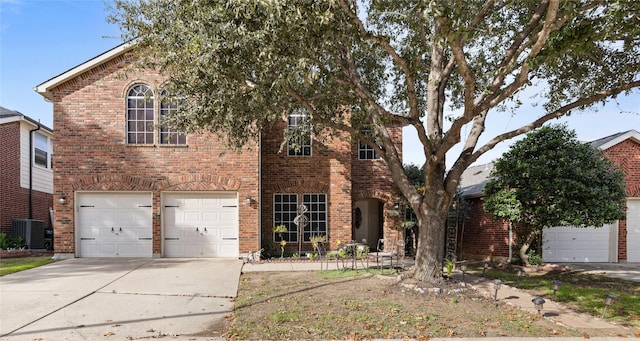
point(581, 292)
point(353, 305)
point(11, 265)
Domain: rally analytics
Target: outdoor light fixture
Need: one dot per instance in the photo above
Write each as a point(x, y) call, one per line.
point(62, 200)
point(396, 206)
point(496, 285)
point(609, 299)
point(463, 267)
point(248, 200)
point(556, 286)
point(484, 268)
point(538, 302)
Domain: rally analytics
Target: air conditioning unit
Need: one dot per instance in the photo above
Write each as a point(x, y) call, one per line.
point(32, 231)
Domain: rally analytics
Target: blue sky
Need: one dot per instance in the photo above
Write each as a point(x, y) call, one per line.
point(40, 39)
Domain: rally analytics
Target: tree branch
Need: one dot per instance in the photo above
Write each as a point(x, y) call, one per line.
point(555, 114)
point(404, 65)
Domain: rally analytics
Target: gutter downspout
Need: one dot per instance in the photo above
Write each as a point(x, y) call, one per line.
point(31, 171)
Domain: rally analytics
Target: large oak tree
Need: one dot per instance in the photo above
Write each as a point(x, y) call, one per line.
point(239, 65)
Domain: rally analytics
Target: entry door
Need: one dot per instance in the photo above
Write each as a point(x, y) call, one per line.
point(201, 224)
point(113, 224)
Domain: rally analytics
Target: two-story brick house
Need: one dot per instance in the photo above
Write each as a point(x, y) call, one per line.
point(26, 175)
point(133, 188)
point(485, 238)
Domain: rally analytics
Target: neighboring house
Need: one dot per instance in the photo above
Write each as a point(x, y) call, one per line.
point(26, 174)
point(485, 238)
point(125, 186)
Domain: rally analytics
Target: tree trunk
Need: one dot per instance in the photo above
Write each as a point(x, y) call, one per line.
point(525, 247)
point(430, 251)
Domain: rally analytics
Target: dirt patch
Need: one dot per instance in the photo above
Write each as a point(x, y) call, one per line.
point(303, 305)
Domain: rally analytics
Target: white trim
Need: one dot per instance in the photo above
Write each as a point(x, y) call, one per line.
point(27, 120)
point(632, 134)
point(613, 242)
point(44, 89)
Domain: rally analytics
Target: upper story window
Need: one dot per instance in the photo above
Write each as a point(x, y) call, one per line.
point(365, 151)
point(140, 118)
point(42, 150)
point(168, 133)
point(299, 128)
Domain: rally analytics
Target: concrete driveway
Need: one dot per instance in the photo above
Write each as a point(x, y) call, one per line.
point(88, 299)
point(628, 271)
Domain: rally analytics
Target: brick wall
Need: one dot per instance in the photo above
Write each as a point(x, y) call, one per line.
point(14, 200)
point(333, 169)
point(372, 179)
point(626, 155)
point(327, 171)
point(92, 154)
point(482, 237)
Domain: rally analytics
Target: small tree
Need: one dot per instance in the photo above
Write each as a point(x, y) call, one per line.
point(551, 179)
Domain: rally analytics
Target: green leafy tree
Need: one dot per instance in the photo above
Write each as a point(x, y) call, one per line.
point(549, 179)
point(355, 66)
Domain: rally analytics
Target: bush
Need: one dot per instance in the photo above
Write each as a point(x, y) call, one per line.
point(533, 258)
point(7, 242)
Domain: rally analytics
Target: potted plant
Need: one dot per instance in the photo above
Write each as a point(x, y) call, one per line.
point(280, 229)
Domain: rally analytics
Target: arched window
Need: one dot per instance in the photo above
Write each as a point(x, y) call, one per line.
point(140, 120)
point(168, 133)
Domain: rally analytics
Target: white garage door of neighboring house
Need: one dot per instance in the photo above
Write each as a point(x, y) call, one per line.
point(573, 244)
point(633, 230)
point(111, 224)
point(201, 224)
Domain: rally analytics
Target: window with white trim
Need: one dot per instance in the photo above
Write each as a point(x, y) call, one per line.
point(140, 118)
point(366, 151)
point(42, 150)
point(285, 210)
point(168, 133)
point(317, 213)
point(299, 130)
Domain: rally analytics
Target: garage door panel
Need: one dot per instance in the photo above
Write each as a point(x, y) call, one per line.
point(633, 230)
point(572, 244)
point(106, 248)
point(227, 232)
point(113, 224)
point(194, 224)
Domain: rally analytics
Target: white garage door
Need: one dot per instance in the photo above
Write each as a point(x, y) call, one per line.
point(113, 224)
point(633, 230)
point(572, 244)
point(200, 224)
